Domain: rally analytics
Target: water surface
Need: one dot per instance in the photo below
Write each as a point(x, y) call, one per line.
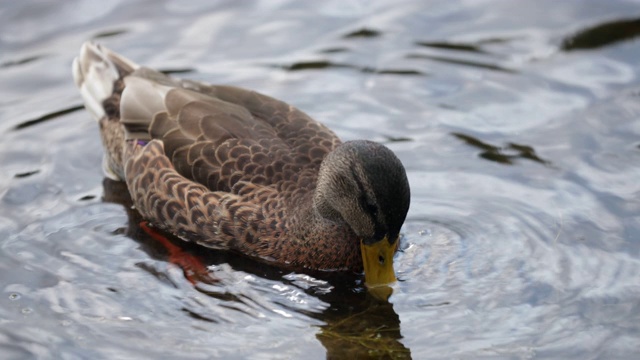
point(517, 123)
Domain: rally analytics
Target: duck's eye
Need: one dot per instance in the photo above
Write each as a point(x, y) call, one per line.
point(372, 209)
point(368, 206)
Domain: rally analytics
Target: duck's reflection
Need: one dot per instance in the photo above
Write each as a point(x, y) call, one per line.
point(357, 324)
point(370, 329)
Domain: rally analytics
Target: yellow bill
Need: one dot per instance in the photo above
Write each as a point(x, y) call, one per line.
point(378, 262)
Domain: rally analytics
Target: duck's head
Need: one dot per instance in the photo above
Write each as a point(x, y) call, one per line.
point(363, 184)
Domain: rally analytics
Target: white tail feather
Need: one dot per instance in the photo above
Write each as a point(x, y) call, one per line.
point(95, 71)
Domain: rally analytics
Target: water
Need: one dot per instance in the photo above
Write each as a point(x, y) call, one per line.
point(517, 123)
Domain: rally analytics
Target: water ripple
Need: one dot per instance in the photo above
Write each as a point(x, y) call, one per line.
point(536, 259)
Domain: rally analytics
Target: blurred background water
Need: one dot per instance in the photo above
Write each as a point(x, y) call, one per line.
point(517, 121)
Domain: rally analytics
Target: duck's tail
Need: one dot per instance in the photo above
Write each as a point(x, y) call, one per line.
point(96, 73)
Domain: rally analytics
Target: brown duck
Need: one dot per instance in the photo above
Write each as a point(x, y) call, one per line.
point(233, 169)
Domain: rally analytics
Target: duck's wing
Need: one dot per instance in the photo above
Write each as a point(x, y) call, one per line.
point(222, 135)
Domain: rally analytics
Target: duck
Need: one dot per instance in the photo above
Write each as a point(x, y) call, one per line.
point(233, 169)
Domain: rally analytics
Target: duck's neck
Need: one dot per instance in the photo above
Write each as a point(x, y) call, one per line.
point(327, 242)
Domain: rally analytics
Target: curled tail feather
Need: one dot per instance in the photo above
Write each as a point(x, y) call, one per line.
point(95, 72)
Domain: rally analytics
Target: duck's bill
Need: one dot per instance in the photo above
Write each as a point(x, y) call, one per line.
point(378, 262)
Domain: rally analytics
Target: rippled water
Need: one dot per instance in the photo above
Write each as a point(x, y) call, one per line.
point(518, 123)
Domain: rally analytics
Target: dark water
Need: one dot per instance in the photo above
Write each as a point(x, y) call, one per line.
point(518, 122)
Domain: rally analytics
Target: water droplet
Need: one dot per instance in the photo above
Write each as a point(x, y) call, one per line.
point(280, 288)
point(26, 311)
point(425, 232)
point(282, 312)
point(14, 296)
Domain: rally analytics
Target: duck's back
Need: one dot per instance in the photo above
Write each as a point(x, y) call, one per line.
point(214, 135)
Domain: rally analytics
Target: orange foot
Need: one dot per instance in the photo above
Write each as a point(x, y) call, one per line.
point(194, 270)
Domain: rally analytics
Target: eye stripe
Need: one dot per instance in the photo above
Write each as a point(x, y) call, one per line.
point(368, 206)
